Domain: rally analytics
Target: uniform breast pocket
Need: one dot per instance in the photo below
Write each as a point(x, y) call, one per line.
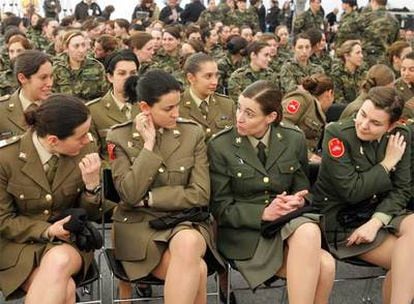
point(179, 172)
point(242, 177)
point(26, 197)
point(287, 171)
point(224, 122)
point(313, 128)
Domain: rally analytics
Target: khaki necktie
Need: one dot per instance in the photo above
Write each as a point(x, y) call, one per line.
point(204, 108)
point(52, 167)
point(125, 110)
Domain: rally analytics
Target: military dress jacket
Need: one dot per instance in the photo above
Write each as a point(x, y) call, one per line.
point(242, 187)
point(304, 110)
point(105, 114)
point(404, 90)
point(176, 173)
point(87, 83)
point(351, 174)
point(27, 201)
point(221, 112)
point(12, 120)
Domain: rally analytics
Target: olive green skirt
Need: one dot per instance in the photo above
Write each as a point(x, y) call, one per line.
point(340, 251)
point(159, 243)
point(269, 254)
point(12, 279)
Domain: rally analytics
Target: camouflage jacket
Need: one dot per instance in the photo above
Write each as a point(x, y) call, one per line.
point(284, 52)
point(308, 20)
point(347, 28)
point(404, 90)
point(226, 67)
point(8, 83)
point(248, 17)
point(324, 61)
point(245, 76)
point(88, 82)
point(346, 84)
point(292, 73)
point(169, 64)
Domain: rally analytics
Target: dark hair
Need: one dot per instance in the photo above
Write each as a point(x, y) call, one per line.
point(67, 20)
point(11, 32)
point(150, 86)
point(377, 75)
point(194, 61)
point(410, 56)
point(236, 45)
point(314, 35)
point(139, 40)
point(69, 35)
point(192, 29)
point(23, 41)
point(396, 49)
point(108, 43)
point(205, 34)
point(265, 37)
point(317, 84)
point(12, 20)
point(197, 45)
point(387, 99)
point(255, 47)
point(267, 96)
point(122, 23)
point(300, 36)
point(123, 55)
point(58, 115)
point(28, 62)
point(173, 31)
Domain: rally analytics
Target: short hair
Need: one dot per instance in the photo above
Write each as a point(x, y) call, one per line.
point(255, 47)
point(237, 45)
point(122, 23)
point(396, 49)
point(315, 36)
point(58, 115)
point(265, 37)
point(268, 96)
point(300, 36)
point(410, 56)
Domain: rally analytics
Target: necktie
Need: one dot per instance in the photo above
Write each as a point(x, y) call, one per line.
point(204, 108)
point(261, 154)
point(51, 171)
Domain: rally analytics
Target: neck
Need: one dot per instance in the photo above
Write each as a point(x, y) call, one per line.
point(254, 67)
point(74, 65)
point(260, 135)
point(45, 145)
point(119, 96)
point(27, 96)
point(302, 63)
point(201, 96)
point(350, 67)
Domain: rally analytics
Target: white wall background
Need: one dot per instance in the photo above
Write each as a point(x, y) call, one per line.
point(124, 8)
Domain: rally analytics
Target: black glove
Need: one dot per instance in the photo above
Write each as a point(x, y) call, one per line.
point(89, 238)
point(195, 214)
point(78, 219)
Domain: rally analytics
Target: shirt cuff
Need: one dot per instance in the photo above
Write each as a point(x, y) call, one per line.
point(384, 218)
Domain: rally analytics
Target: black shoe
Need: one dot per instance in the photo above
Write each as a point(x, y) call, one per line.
point(143, 290)
point(223, 297)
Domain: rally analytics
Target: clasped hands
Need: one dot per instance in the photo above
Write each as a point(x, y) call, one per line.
point(283, 204)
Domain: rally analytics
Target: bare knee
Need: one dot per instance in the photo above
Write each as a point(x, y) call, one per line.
point(187, 244)
point(308, 233)
point(71, 291)
point(407, 227)
point(203, 269)
point(61, 261)
point(327, 264)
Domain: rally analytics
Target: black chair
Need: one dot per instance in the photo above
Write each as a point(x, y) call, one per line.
point(92, 275)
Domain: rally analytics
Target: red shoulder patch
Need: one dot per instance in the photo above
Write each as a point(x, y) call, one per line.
point(111, 151)
point(336, 147)
point(293, 106)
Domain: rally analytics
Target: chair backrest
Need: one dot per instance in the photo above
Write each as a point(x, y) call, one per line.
point(108, 187)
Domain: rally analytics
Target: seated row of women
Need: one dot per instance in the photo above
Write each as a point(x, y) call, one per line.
point(248, 175)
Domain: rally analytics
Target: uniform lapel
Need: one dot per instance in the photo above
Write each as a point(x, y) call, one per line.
point(66, 165)
point(247, 153)
point(33, 167)
point(190, 109)
point(369, 152)
point(15, 109)
point(170, 141)
point(112, 109)
point(277, 146)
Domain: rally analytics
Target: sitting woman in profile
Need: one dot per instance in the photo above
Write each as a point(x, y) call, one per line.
point(363, 188)
point(48, 170)
point(159, 166)
point(258, 173)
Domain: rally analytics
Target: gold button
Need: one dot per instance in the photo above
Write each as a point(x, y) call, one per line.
point(78, 190)
point(325, 199)
point(266, 201)
point(266, 192)
point(239, 174)
point(266, 179)
point(161, 170)
point(100, 209)
point(292, 168)
point(48, 198)
point(182, 168)
point(208, 130)
point(21, 196)
point(46, 212)
point(125, 219)
point(357, 167)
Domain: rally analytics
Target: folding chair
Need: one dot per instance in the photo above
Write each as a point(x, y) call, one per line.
point(92, 275)
point(267, 285)
point(368, 278)
point(115, 266)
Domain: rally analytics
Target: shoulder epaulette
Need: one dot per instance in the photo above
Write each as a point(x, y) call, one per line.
point(89, 103)
point(128, 122)
point(221, 132)
point(9, 141)
point(289, 125)
point(185, 120)
point(5, 97)
point(222, 95)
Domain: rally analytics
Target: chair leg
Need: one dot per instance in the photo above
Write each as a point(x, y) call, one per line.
point(366, 296)
point(228, 283)
point(216, 276)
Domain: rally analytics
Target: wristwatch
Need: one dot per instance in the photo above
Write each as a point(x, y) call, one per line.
point(94, 191)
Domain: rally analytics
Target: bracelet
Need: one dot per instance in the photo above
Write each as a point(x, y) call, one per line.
point(94, 191)
point(145, 200)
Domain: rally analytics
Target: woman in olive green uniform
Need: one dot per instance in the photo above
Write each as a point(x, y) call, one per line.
point(35, 255)
point(258, 173)
point(363, 187)
point(159, 165)
point(307, 108)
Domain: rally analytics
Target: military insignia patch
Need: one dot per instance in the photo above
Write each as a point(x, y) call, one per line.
point(293, 106)
point(111, 151)
point(336, 147)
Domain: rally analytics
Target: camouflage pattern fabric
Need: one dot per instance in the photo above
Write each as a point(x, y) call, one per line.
point(308, 20)
point(226, 67)
point(347, 27)
point(292, 73)
point(325, 61)
point(8, 83)
point(346, 84)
